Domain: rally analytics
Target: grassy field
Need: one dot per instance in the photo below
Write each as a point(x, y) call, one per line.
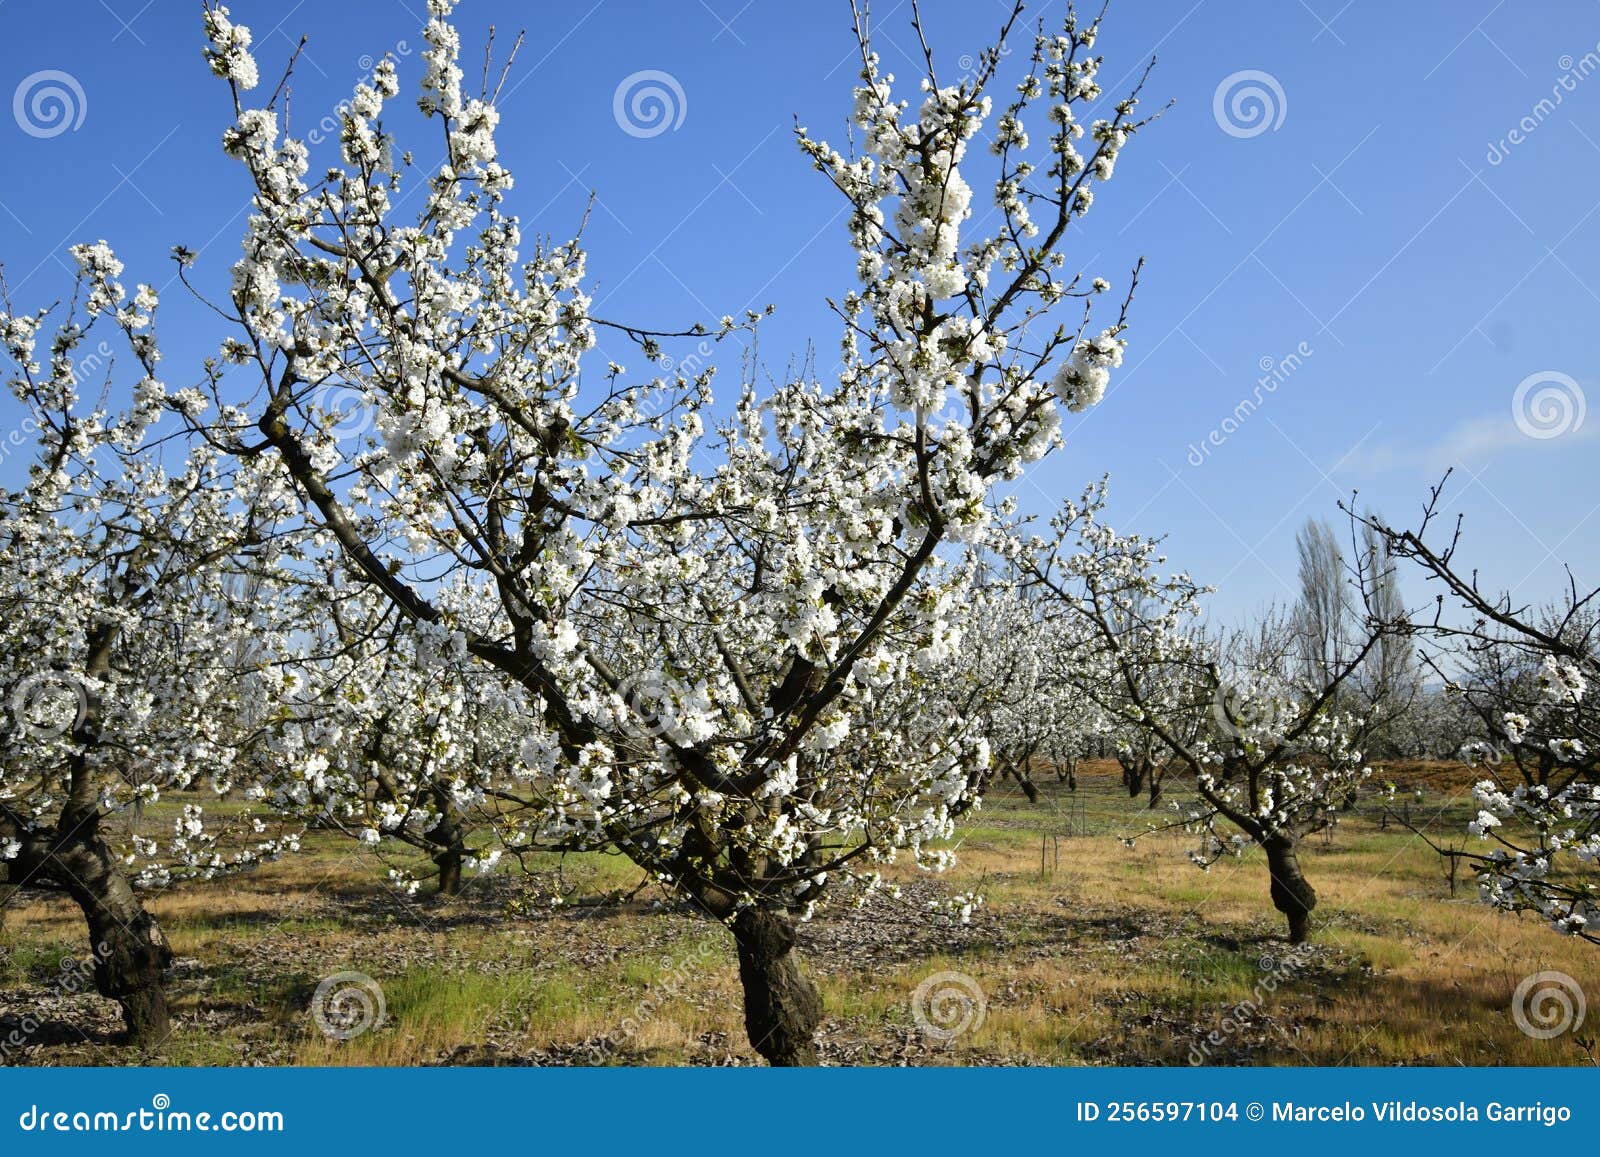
point(1086, 951)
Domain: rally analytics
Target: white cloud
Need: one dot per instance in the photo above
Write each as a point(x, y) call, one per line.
point(1473, 441)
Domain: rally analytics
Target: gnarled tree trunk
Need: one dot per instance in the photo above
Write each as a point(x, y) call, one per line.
point(1019, 772)
point(1292, 893)
point(782, 1006)
point(450, 840)
point(130, 954)
point(449, 864)
point(1134, 769)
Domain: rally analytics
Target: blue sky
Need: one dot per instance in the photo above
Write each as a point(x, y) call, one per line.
point(1367, 226)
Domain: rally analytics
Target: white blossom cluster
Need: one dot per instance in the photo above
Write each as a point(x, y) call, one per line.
point(1541, 808)
point(140, 613)
point(417, 561)
point(1259, 759)
point(723, 671)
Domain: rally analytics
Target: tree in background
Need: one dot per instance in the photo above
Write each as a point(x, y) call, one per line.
point(1321, 623)
point(421, 747)
point(1329, 622)
point(1005, 675)
point(1525, 677)
point(1269, 748)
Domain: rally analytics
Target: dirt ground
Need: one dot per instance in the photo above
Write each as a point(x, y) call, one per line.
point(1085, 951)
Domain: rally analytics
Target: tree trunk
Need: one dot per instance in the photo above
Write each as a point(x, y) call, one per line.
point(1133, 774)
point(129, 951)
point(449, 865)
point(1292, 893)
point(447, 836)
point(1019, 772)
point(782, 1007)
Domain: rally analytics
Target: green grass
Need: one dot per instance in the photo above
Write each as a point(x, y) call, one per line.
point(1094, 953)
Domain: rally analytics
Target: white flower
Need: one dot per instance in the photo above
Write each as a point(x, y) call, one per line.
point(1483, 824)
point(229, 49)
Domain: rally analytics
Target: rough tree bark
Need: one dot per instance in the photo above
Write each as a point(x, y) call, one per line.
point(1134, 770)
point(449, 864)
point(126, 943)
point(450, 840)
point(782, 1006)
point(1292, 893)
point(1019, 772)
point(130, 953)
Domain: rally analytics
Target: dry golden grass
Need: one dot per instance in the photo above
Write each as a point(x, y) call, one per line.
point(1086, 951)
